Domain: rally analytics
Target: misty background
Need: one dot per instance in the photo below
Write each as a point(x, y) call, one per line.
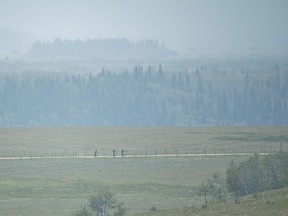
point(182, 25)
point(143, 63)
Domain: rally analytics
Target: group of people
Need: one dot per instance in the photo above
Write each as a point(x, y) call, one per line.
point(114, 152)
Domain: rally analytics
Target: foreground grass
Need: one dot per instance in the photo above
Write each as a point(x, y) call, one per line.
point(59, 186)
point(266, 204)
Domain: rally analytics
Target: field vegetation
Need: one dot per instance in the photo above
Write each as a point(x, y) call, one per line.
point(60, 185)
point(85, 140)
point(266, 204)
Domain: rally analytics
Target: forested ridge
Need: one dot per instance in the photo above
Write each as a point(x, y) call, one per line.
point(96, 48)
point(146, 96)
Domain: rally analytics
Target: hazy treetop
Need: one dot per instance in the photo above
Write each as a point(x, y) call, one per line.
point(181, 24)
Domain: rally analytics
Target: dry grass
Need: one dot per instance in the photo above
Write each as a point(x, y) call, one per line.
point(37, 141)
point(57, 186)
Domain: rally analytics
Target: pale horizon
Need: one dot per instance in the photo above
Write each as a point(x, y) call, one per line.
point(181, 25)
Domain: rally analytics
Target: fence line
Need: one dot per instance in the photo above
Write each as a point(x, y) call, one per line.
point(191, 151)
point(136, 155)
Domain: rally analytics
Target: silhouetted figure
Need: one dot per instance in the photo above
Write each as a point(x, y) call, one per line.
point(114, 153)
point(122, 152)
point(95, 153)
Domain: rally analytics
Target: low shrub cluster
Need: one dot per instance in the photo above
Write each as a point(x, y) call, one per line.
point(101, 204)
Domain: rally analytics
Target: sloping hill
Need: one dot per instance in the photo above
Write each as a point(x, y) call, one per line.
point(264, 204)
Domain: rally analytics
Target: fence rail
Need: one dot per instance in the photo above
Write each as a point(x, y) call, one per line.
point(188, 151)
point(136, 154)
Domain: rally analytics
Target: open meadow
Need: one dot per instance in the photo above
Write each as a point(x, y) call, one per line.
point(52, 171)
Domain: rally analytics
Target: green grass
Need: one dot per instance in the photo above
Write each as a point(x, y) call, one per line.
point(139, 183)
point(81, 141)
point(59, 186)
point(271, 203)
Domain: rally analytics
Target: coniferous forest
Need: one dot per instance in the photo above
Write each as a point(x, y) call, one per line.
point(99, 48)
point(242, 93)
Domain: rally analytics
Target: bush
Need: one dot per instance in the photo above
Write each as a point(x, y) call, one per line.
point(101, 204)
point(217, 187)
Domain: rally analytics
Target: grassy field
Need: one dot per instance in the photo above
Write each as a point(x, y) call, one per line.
point(51, 186)
point(269, 203)
point(81, 141)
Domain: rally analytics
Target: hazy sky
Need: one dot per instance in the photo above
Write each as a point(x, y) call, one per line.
point(181, 24)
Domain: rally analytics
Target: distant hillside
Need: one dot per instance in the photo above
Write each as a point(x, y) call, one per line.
point(103, 49)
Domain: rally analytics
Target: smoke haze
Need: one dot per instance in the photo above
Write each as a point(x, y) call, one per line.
point(181, 24)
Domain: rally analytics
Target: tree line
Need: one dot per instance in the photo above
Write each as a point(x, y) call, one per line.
point(257, 174)
point(148, 96)
point(99, 48)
